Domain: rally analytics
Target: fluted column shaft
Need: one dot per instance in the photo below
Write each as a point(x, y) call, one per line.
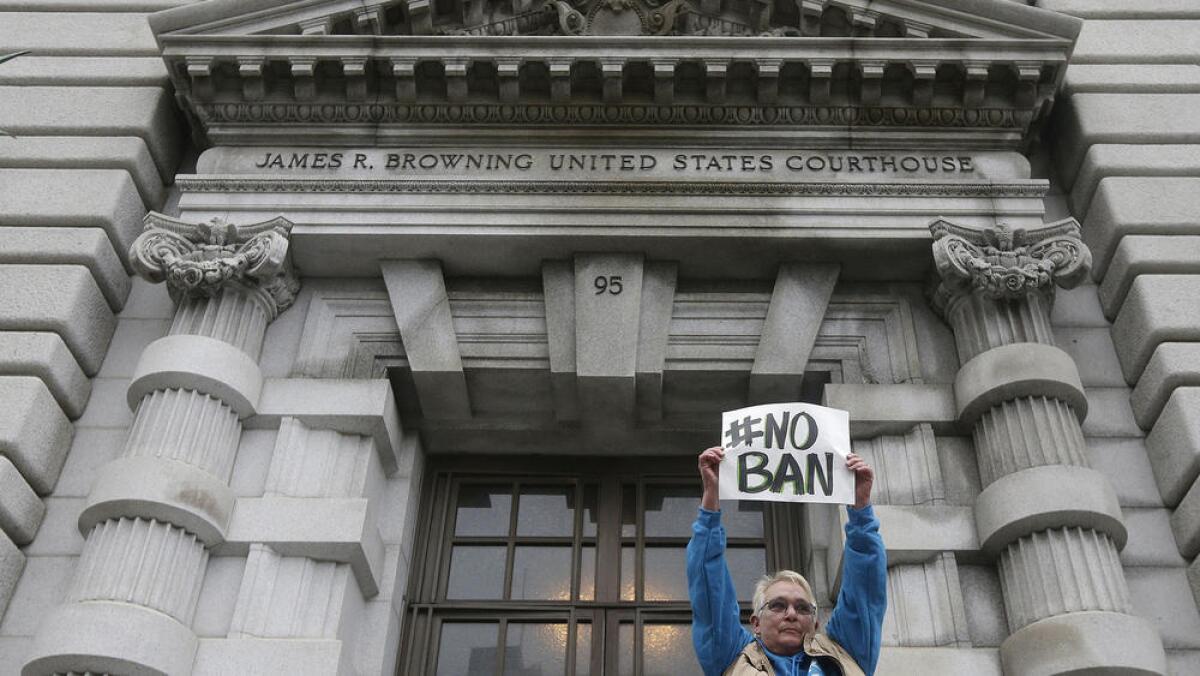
point(1052, 523)
point(154, 512)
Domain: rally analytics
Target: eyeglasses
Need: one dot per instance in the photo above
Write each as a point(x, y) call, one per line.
point(779, 607)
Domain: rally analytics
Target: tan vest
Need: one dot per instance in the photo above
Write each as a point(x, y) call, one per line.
point(753, 661)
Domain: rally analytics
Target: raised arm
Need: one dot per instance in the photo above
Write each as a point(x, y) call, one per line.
point(717, 632)
point(857, 621)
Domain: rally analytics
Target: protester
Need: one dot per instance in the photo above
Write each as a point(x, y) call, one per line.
point(786, 639)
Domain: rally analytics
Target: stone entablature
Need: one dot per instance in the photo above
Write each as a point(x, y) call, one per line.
point(983, 78)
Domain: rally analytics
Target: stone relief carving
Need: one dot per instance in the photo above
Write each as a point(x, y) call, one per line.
point(1007, 263)
point(198, 260)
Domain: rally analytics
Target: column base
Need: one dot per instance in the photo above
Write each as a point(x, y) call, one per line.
point(111, 638)
point(1092, 643)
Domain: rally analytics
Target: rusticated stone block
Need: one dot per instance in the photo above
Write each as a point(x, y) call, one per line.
point(12, 562)
point(1120, 9)
point(85, 71)
point(99, 198)
point(71, 32)
point(59, 298)
point(89, 247)
point(1146, 255)
point(50, 152)
point(1131, 79)
point(46, 356)
point(34, 433)
point(1193, 575)
point(1118, 159)
point(1185, 521)
point(1139, 206)
point(145, 112)
point(21, 510)
point(1158, 309)
point(1171, 366)
point(1144, 40)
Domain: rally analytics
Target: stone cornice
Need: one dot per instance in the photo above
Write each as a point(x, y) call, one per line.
point(1003, 263)
point(198, 260)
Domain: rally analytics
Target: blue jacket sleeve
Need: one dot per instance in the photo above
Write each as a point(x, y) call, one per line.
point(857, 621)
point(717, 632)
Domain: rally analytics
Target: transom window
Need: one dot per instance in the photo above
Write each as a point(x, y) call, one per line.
point(574, 569)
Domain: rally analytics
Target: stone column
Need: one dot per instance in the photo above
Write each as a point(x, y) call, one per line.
point(1052, 523)
point(154, 513)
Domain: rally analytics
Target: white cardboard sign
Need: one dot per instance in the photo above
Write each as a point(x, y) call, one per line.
point(786, 453)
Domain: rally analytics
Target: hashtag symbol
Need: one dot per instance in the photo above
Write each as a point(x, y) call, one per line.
point(742, 432)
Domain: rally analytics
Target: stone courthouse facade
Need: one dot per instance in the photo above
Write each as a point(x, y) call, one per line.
point(379, 337)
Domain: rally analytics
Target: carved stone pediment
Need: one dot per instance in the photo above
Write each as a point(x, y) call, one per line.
point(981, 70)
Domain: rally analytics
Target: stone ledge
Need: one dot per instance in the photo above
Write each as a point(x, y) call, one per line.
point(899, 661)
point(1158, 309)
point(62, 299)
point(1090, 642)
point(365, 407)
point(1171, 366)
point(78, 33)
point(110, 637)
point(89, 247)
point(1146, 255)
point(145, 112)
point(199, 363)
point(46, 356)
point(21, 510)
point(85, 71)
point(331, 529)
point(1104, 160)
point(1050, 496)
point(916, 534)
point(1121, 9)
point(34, 433)
point(1146, 39)
point(1088, 119)
point(1131, 79)
point(12, 562)
point(894, 409)
point(89, 5)
point(125, 152)
point(100, 198)
point(296, 657)
point(1126, 206)
point(1015, 371)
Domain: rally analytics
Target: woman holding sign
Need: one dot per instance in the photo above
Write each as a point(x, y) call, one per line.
point(786, 641)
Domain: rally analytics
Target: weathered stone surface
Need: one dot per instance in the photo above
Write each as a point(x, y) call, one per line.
point(12, 562)
point(83, 71)
point(100, 198)
point(1078, 307)
point(1145, 40)
point(63, 299)
point(1093, 353)
point(1147, 255)
point(46, 356)
point(1185, 521)
point(911, 661)
point(1085, 642)
point(1124, 462)
point(21, 510)
point(1151, 542)
point(1173, 446)
point(1131, 79)
point(801, 293)
point(1104, 160)
point(1139, 206)
point(89, 247)
point(89, 5)
point(311, 657)
point(1119, 9)
point(1158, 309)
point(1088, 119)
point(78, 33)
point(125, 152)
point(34, 433)
point(893, 409)
point(1172, 365)
point(1160, 594)
point(1193, 576)
point(145, 112)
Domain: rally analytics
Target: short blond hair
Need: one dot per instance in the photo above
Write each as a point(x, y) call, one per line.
point(764, 582)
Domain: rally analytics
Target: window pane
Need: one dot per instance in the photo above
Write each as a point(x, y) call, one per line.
point(583, 649)
point(482, 510)
point(670, 510)
point(667, 650)
point(542, 573)
point(628, 511)
point(746, 565)
point(665, 574)
point(590, 512)
point(476, 572)
point(625, 649)
point(546, 510)
point(535, 649)
point(742, 518)
point(467, 648)
point(587, 573)
point(628, 581)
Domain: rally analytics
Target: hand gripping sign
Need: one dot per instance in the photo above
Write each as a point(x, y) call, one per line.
point(786, 453)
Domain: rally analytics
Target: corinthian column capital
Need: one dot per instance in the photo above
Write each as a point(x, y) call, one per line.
point(1003, 263)
point(198, 260)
